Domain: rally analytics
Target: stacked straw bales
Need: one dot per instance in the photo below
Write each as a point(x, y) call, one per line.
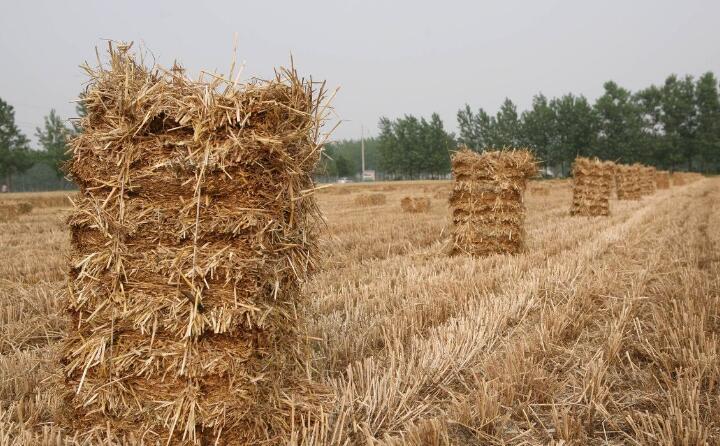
point(488, 212)
point(415, 204)
point(628, 181)
point(647, 180)
point(370, 199)
point(662, 179)
point(190, 239)
point(592, 187)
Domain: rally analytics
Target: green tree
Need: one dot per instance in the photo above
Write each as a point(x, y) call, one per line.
point(53, 138)
point(505, 128)
point(343, 167)
point(679, 117)
point(653, 147)
point(619, 125)
point(15, 156)
point(575, 126)
point(708, 119)
point(537, 129)
point(438, 143)
point(410, 147)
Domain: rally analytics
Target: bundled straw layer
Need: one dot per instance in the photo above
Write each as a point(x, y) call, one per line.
point(487, 201)
point(593, 182)
point(190, 239)
point(415, 204)
point(662, 179)
point(628, 181)
point(647, 182)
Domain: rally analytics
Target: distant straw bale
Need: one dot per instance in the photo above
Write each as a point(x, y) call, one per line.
point(592, 187)
point(647, 182)
point(628, 181)
point(488, 212)
point(415, 204)
point(193, 231)
point(370, 199)
point(11, 209)
point(662, 179)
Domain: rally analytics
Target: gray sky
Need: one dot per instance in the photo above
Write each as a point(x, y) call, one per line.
point(388, 57)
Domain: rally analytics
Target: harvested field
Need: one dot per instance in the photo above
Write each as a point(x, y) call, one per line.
point(603, 332)
point(372, 199)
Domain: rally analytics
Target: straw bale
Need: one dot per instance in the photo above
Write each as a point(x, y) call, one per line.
point(647, 182)
point(662, 179)
point(370, 199)
point(628, 181)
point(487, 206)
point(415, 204)
point(592, 186)
point(11, 209)
point(193, 231)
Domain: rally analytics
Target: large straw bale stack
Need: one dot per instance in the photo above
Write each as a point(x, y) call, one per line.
point(487, 205)
point(628, 181)
point(592, 187)
point(415, 204)
point(192, 233)
point(662, 179)
point(647, 182)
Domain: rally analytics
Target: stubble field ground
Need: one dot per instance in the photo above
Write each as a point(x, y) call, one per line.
point(604, 332)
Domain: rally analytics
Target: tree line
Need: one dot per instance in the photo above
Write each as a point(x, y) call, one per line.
point(37, 167)
point(673, 126)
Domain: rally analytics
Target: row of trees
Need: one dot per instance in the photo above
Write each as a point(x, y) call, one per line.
point(17, 156)
point(672, 126)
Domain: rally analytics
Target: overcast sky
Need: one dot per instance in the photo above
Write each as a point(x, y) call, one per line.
point(388, 57)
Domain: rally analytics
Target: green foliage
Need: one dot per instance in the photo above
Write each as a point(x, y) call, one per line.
point(618, 125)
point(15, 156)
point(343, 167)
point(708, 119)
point(53, 139)
point(411, 147)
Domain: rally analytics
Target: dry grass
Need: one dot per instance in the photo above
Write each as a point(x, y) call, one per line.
point(373, 199)
point(604, 332)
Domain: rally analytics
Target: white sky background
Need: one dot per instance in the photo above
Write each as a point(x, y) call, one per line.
point(389, 58)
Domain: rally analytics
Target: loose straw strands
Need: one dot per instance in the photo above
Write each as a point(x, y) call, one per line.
point(487, 206)
point(193, 232)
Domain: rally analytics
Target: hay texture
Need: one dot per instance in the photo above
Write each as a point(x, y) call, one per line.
point(647, 180)
point(415, 204)
point(190, 239)
point(592, 187)
point(628, 181)
point(662, 179)
point(370, 199)
point(487, 206)
point(12, 209)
